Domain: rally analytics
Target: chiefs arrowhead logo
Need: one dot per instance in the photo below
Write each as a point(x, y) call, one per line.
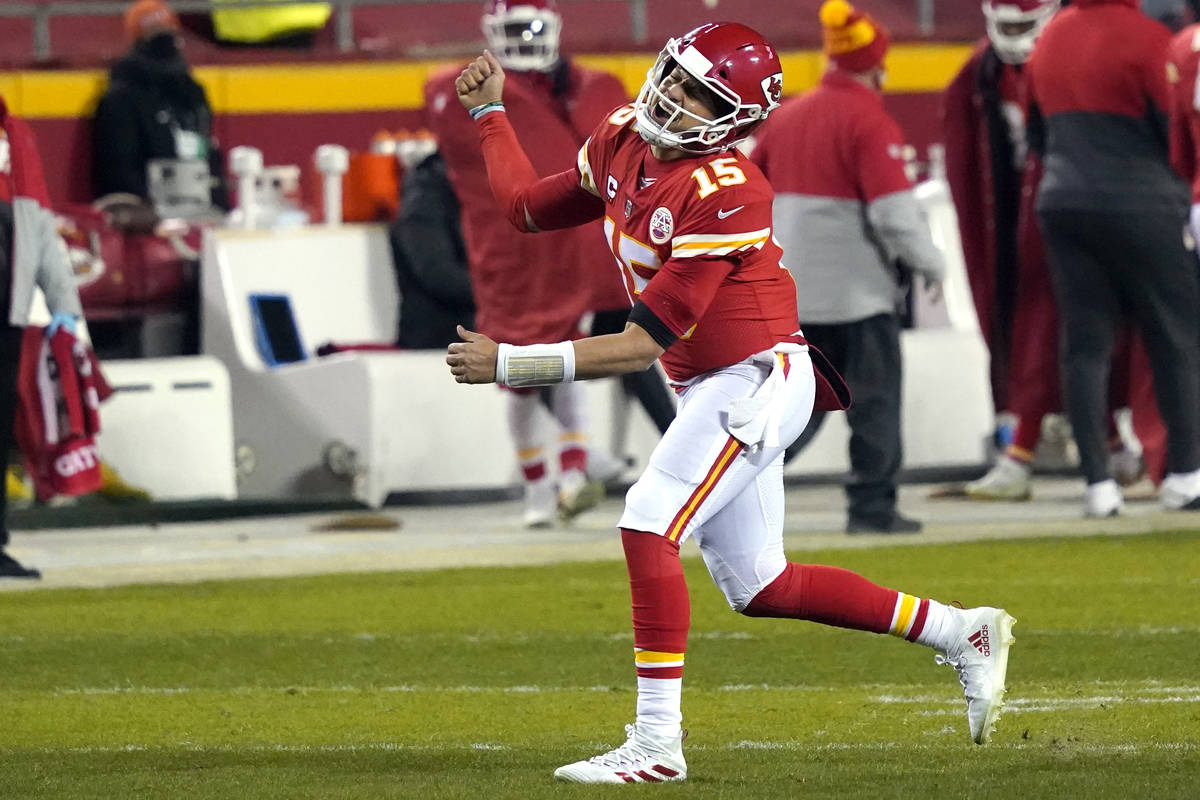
point(773, 89)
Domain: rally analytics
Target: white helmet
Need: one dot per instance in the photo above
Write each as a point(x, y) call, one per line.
point(523, 34)
point(1014, 25)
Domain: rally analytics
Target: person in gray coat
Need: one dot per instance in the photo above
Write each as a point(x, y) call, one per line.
point(852, 235)
point(31, 254)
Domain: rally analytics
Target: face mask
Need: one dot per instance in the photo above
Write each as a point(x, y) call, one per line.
point(163, 45)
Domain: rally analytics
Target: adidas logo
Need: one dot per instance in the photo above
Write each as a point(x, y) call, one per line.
point(642, 775)
point(979, 639)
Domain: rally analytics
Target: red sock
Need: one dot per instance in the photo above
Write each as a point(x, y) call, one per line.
point(534, 472)
point(828, 595)
point(662, 610)
point(573, 457)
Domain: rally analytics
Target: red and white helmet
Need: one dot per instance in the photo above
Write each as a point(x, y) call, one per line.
point(735, 64)
point(523, 34)
point(1014, 25)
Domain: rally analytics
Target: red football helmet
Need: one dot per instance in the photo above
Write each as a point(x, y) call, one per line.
point(1014, 25)
point(523, 34)
point(737, 66)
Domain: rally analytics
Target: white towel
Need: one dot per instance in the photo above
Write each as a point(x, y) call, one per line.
point(754, 420)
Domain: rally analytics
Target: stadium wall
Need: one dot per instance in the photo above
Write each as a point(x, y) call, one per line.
point(287, 110)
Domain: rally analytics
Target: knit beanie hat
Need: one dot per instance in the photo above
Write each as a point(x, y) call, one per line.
point(852, 40)
point(149, 16)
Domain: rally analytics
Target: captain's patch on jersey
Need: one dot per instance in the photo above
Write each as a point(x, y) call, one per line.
point(662, 225)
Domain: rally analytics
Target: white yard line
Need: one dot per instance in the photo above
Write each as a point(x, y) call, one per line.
point(745, 744)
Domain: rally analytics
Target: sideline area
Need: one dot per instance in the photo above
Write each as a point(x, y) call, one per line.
point(490, 534)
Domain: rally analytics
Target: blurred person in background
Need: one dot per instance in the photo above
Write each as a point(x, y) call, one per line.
point(152, 109)
point(532, 289)
point(1112, 213)
point(428, 252)
point(1175, 14)
point(852, 233)
point(689, 217)
point(1183, 66)
point(31, 254)
point(992, 178)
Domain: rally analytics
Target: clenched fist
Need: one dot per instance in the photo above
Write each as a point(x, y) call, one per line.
point(472, 360)
point(481, 82)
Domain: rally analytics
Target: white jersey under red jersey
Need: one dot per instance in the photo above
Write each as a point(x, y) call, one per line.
point(693, 239)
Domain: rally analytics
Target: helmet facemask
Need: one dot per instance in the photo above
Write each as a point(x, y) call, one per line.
point(524, 38)
point(1013, 30)
point(656, 112)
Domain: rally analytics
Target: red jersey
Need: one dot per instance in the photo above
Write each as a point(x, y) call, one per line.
point(528, 289)
point(693, 239)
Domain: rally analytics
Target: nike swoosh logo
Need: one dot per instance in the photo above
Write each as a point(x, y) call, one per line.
point(723, 214)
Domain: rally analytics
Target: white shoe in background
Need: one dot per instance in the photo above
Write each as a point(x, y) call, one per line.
point(603, 467)
point(1008, 480)
point(1103, 499)
point(642, 759)
point(541, 503)
point(576, 494)
point(1180, 491)
point(979, 654)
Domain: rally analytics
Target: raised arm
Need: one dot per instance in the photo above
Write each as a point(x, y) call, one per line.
point(530, 204)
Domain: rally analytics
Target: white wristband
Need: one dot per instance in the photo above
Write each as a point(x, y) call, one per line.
point(535, 364)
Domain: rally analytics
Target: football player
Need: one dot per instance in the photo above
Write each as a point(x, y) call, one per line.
point(688, 219)
point(530, 290)
point(992, 176)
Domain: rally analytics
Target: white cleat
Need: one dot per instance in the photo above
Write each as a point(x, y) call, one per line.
point(1008, 480)
point(979, 654)
point(576, 494)
point(541, 503)
point(1103, 500)
point(1180, 491)
point(642, 759)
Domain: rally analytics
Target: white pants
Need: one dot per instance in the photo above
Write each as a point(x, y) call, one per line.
point(700, 481)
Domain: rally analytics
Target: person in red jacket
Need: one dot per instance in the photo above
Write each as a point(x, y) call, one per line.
point(31, 254)
point(1112, 212)
point(1183, 68)
point(531, 290)
point(689, 219)
point(992, 177)
point(852, 231)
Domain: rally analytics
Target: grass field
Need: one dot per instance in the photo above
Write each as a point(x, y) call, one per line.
point(477, 683)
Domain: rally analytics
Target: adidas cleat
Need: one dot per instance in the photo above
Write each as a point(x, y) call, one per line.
point(642, 759)
point(979, 654)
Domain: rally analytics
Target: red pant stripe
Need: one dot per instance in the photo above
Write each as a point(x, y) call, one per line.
point(701, 493)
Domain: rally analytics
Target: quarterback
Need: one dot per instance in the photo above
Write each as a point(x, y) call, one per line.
point(688, 219)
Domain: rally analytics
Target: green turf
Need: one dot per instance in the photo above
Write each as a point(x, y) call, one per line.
point(478, 682)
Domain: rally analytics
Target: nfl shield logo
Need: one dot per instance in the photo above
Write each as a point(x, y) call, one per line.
point(628, 207)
